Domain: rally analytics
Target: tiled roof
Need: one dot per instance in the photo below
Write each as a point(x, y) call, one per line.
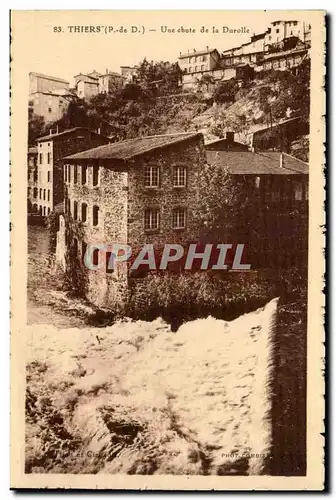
point(65, 132)
point(197, 53)
point(244, 163)
point(125, 150)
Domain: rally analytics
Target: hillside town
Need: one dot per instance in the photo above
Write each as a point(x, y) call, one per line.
point(146, 189)
point(198, 169)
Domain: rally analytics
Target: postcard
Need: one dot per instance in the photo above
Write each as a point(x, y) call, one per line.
point(167, 250)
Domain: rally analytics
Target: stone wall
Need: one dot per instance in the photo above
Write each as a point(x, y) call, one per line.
point(166, 197)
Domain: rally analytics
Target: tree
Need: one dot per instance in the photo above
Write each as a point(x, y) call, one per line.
point(226, 91)
point(206, 81)
point(36, 128)
point(218, 203)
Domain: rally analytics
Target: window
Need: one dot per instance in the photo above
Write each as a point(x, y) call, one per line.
point(65, 173)
point(48, 210)
point(40, 209)
point(40, 158)
point(204, 58)
point(35, 192)
point(196, 68)
point(84, 212)
point(75, 174)
point(75, 245)
point(95, 175)
point(298, 191)
point(49, 110)
point(75, 211)
point(95, 257)
point(152, 176)
point(40, 194)
point(152, 218)
point(35, 175)
point(190, 60)
point(44, 194)
point(202, 67)
point(84, 176)
point(190, 70)
point(95, 215)
point(84, 247)
point(29, 191)
point(49, 176)
point(180, 176)
point(277, 30)
point(68, 206)
point(179, 218)
point(44, 211)
point(49, 157)
point(109, 266)
point(69, 173)
point(48, 194)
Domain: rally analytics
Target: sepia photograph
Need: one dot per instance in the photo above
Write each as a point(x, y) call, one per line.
point(168, 256)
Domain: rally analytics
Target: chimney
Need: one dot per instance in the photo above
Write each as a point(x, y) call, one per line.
point(207, 47)
point(281, 160)
point(229, 136)
point(194, 50)
point(106, 70)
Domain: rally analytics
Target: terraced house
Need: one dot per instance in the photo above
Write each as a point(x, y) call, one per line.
point(135, 192)
point(47, 188)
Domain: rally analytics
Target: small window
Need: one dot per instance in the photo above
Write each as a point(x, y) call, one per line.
point(277, 30)
point(84, 212)
point(69, 173)
point(75, 174)
point(152, 176)
point(35, 192)
point(49, 176)
point(298, 192)
point(75, 246)
point(84, 247)
point(49, 110)
point(40, 209)
point(65, 173)
point(40, 194)
point(49, 157)
point(29, 191)
point(196, 68)
point(44, 194)
point(48, 194)
point(95, 257)
point(75, 211)
point(95, 175)
point(180, 176)
point(95, 215)
point(84, 174)
point(109, 265)
point(40, 158)
point(48, 210)
point(152, 218)
point(179, 218)
point(44, 211)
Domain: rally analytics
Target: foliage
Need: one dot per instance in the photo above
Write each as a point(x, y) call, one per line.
point(226, 91)
point(36, 128)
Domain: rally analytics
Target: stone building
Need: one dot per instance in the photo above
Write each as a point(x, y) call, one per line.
point(135, 192)
point(226, 143)
point(196, 63)
point(87, 86)
point(32, 177)
point(109, 80)
point(49, 96)
point(274, 193)
point(48, 188)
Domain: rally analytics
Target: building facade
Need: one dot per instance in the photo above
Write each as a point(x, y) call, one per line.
point(135, 192)
point(87, 86)
point(109, 81)
point(32, 180)
point(50, 105)
point(48, 188)
point(44, 83)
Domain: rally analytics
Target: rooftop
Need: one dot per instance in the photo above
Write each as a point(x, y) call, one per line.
point(32, 150)
point(197, 53)
point(47, 77)
point(64, 133)
point(263, 163)
point(131, 148)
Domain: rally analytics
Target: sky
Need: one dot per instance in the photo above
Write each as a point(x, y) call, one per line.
point(47, 42)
